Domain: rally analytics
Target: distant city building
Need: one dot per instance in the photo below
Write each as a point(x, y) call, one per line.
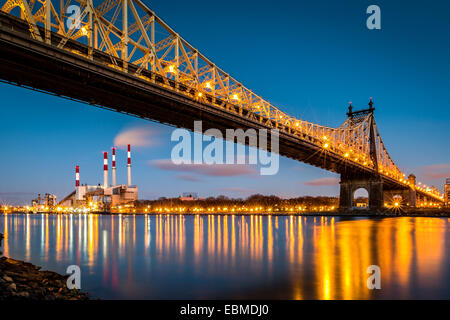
point(49, 200)
point(189, 196)
point(36, 202)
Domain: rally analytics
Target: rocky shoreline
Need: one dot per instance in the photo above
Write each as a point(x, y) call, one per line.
point(24, 281)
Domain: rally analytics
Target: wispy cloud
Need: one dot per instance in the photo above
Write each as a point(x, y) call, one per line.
point(437, 175)
point(141, 136)
point(441, 166)
point(322, 182)
point(215, 170)
point(435, 171)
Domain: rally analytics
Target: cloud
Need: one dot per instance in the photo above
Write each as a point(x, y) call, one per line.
point(435, 171)
point(436, 167)
point(214, 170)
point(436, 175)
point(142, 136)
point(189, 177)
point(323, 182)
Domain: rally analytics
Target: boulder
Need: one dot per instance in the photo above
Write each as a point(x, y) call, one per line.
point(12, 286)
point(8, 279)
point(24, 281)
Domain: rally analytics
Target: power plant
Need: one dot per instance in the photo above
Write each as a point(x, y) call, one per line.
point(103, 197)
point(49, 200)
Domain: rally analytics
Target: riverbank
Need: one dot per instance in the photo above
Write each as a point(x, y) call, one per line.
point(20, 280)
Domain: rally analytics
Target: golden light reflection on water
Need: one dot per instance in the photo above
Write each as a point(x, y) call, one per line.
point(309, 257)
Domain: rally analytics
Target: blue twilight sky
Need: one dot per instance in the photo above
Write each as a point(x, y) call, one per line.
point(309, 58)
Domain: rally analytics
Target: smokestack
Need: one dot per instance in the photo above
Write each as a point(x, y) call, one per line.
point(129, 166)
point(105, 169)
point(114, 166)
point(77, 176)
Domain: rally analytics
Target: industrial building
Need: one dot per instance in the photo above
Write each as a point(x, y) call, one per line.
point(104, 197)
point(49, 200)
point(189, 196)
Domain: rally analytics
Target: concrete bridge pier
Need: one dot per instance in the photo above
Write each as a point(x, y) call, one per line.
point(405, 198)
point(349, 185)
point(408, 196)
point(412, 191)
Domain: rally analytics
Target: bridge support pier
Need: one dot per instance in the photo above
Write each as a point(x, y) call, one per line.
point(348, 186)
point(412, 191)
point(408, 196)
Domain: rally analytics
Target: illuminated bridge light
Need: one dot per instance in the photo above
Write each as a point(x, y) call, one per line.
point(172, 69)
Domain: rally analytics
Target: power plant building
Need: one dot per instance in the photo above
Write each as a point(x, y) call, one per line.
point(49, 200)
point(103, 197)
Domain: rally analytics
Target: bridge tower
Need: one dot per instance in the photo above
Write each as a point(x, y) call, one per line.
point(351, 180)
point(362, 128)
point(412, 199)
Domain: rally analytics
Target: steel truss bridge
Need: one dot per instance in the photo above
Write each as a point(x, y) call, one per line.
point(119, 55)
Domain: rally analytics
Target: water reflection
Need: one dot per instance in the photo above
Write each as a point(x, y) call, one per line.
point(291, 257)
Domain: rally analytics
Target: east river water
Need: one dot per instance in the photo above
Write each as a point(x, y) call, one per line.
point(248, 257)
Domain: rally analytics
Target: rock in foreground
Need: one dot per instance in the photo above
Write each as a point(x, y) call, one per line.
point(24, 281)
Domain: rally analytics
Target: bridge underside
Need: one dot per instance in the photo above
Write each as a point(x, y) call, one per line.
point(37, 65)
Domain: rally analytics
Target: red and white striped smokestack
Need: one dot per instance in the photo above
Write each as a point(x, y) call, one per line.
point(77, 176)
point(105, 169)
point(129, 166)
point(114, 166)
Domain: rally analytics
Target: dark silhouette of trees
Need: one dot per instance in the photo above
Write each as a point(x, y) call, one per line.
point(256, 200)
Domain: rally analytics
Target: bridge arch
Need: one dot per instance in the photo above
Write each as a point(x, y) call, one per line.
point(360, 198)
point(349, 186)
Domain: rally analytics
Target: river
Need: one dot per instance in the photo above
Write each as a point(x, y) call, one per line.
point(237, 257)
